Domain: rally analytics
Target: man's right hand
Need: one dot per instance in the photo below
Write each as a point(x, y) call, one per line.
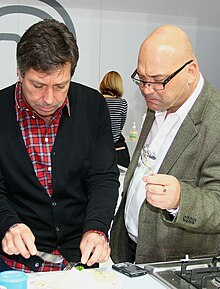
point(19, 240)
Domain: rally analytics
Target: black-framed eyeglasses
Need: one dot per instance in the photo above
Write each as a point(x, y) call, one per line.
point(156, 85)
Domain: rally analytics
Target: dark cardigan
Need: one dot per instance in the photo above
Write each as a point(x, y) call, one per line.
point(84, 176)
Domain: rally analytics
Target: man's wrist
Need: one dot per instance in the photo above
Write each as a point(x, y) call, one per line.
point(99, 233)
point(13, 226)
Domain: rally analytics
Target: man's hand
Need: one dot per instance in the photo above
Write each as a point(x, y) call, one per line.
point(94, 248)
point(163, 191)
point(19, 240)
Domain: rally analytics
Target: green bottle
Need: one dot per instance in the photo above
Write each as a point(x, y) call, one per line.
point(133, 133)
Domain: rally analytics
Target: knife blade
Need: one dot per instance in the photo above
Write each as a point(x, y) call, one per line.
point(56, 259)
point(77, 265)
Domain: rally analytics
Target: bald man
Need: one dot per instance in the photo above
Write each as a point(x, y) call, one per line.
point(171, 201)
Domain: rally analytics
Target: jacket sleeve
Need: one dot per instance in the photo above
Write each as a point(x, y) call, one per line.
point(8, 216)
point(200, 203)
point(199, 177)
point(102, 176)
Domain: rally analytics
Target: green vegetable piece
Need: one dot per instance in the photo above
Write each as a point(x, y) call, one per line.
point(80, 268)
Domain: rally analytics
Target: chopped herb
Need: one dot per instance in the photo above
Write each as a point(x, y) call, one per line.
point(80, 268)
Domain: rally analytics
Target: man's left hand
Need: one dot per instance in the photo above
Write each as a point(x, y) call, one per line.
point(94, 248)
point(163, 191)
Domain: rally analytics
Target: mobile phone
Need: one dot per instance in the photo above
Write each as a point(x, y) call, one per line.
point(129, 269)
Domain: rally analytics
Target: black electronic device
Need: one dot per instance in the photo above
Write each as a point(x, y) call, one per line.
point(129, 269)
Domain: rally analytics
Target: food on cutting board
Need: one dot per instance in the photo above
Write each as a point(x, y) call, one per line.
point(74, 279)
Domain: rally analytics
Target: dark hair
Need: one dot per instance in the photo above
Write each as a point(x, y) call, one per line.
point(45, 46)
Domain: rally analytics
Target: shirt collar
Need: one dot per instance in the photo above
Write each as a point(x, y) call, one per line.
point(187, 105)
point(21, 105)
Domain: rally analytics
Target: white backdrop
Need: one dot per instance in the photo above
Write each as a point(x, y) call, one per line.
point(109, 34)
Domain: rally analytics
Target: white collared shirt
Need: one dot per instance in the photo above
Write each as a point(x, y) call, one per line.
point(158, 142)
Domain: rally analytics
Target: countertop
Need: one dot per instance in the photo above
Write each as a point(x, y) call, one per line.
point(142, 282)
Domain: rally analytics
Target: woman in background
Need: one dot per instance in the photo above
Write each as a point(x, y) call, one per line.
point(112, 89)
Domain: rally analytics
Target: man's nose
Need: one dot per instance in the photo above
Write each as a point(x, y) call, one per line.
point(49, 96)
point(146, 89)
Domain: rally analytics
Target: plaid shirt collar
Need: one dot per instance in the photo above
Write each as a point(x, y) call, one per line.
point(21, 105)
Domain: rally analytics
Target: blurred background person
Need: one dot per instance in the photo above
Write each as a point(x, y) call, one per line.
point(112, 89)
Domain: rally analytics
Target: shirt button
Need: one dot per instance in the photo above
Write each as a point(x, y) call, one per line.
point(54, 204)
point(36, 264)
point(49, 169)
point(46, 139)
point(57, 229)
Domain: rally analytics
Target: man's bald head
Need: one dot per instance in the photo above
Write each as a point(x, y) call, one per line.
point(167, 52)
point(166, 44)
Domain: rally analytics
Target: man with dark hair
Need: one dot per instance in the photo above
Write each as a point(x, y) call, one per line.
point(58, 172)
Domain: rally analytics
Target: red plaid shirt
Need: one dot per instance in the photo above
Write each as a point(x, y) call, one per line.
point(39, 138)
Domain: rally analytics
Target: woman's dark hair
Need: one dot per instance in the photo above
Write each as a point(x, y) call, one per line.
point(46, 46)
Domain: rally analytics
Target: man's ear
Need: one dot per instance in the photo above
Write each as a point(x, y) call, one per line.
point(19, 75)
point(192, 71)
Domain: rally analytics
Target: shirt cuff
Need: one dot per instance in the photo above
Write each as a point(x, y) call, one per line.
point(173, 211)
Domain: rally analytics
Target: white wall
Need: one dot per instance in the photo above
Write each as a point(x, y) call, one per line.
point(109, 34)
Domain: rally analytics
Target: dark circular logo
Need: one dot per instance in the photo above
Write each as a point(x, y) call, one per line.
point(29, 10)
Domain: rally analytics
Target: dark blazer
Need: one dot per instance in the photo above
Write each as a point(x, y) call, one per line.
point(194, 159)
point(84, 175)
